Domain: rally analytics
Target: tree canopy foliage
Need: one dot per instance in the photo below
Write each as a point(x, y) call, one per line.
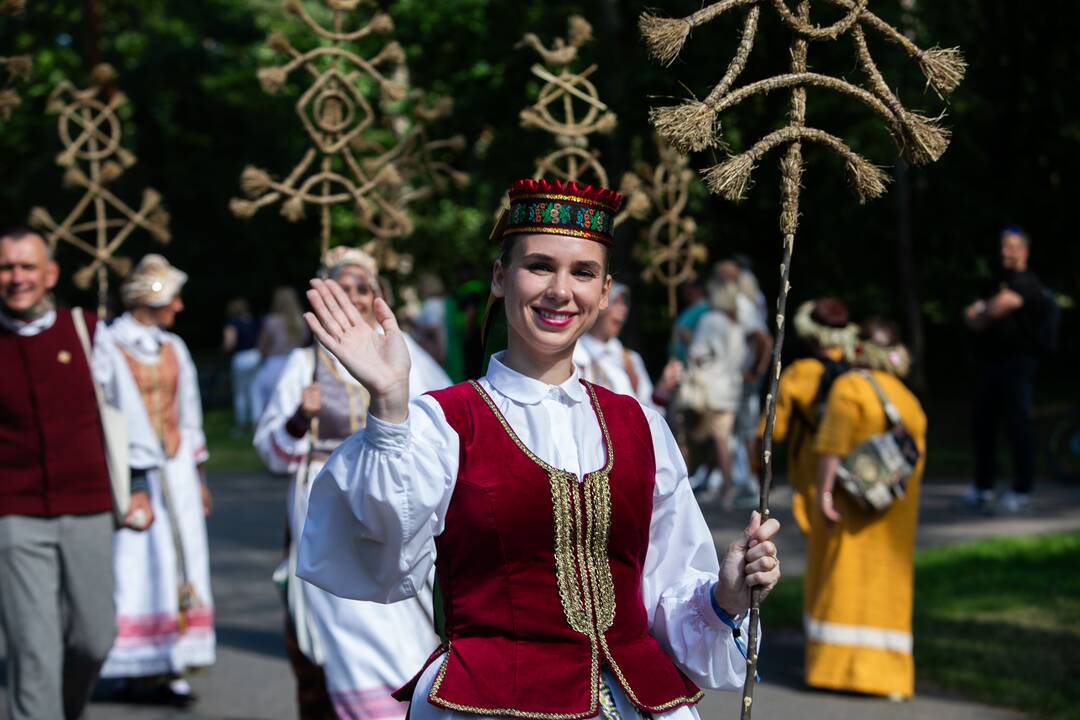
point(198, 116)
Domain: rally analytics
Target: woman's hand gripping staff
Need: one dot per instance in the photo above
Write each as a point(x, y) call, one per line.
point(379, 361)
point(751, 561)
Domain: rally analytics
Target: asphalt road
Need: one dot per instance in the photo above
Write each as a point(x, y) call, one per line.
point(252, 680)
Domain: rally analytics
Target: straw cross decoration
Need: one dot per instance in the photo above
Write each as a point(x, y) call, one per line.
point(671, 251)
point(90, 132)
point(421, 163)
point(17, 68)
point(694, 125)
point(569, 107)
point(335, 113)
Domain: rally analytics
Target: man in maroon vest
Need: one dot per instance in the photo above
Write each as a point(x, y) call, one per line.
point(56, 520)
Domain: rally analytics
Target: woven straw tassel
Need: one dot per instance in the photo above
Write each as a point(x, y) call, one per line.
point(293, 209)
point(731, 178)
point(944, 68)
point(867, 180)
point(924, 139)
point(665, 37)
point(254, 181)
point(691, 126)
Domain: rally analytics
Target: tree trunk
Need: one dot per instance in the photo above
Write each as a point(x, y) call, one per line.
point(92, 28)
point(905, 276)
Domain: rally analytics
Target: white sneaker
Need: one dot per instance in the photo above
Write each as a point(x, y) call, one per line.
point(1013, 503)
point(976, 500)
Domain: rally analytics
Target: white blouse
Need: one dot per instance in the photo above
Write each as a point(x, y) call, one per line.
point(382, 498)
point(604, 363)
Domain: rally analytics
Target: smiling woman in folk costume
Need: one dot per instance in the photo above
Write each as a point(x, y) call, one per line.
point(348, 656)
point(578, 576)
point(165, 612)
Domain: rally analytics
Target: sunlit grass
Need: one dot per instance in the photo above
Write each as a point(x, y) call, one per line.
point(228, 452)
point(996, 620)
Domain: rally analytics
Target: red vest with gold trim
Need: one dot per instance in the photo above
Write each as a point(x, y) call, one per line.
point(541, 574)
point(51, 456)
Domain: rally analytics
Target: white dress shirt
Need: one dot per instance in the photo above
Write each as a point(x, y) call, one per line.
point(381, 500)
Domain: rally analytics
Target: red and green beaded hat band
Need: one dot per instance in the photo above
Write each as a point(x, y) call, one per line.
point(552, 207)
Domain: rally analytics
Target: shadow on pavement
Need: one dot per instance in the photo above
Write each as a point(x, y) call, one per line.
point(270, 643)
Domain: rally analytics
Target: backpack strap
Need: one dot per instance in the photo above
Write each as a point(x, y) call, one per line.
point(891, 412)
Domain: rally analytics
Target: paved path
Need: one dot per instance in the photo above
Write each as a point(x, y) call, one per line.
point(252, 681)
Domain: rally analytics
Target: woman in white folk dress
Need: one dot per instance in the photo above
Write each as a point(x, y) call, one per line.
point(578, 576)
point(347, 656)
point(601, 357)
point(165, 610)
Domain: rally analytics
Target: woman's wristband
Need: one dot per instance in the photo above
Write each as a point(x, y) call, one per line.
point(724, 615)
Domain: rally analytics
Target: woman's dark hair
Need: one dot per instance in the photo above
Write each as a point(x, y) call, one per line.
point(880, 331)
point(237, 307)
point(830, 312)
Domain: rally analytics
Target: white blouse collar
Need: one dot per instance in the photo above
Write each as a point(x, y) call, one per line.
point(529, 391)
point(146, 340)
point(28, 328)
point(597, 348)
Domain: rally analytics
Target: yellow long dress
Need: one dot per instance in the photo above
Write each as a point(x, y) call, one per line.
point(859, 576)
point(796, 419)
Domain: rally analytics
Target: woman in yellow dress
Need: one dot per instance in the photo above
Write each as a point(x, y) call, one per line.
point(859, 578)
point(801, 395)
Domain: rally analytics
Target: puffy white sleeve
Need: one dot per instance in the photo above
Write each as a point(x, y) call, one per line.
point(377, 505)
point(118, 389)
point(681, 567)
point(190, 402)
point(279, 450)
point(644, 390)
point(102, 362)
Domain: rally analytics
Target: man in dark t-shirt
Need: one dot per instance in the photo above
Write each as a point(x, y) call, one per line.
point(1006, 323)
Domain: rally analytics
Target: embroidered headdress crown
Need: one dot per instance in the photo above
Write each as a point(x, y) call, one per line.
point(552, 207)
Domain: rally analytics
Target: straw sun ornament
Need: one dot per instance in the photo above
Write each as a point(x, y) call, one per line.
point(93, 157)
point(569, 108)
point(17, 68)
point(335, 114)
point(344, 166)
point(694, 125)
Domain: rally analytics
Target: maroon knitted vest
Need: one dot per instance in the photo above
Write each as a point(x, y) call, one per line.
point(541, 574)
point(51, 457)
